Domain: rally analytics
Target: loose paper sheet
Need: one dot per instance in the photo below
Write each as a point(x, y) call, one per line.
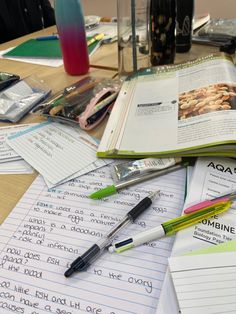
point(6, 152)
point(55, 150)
point(15, 167)
point(48, 229)
point(205, 283)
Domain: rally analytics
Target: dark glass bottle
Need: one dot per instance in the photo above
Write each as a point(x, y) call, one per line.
point(162, 31)
point(184, 18)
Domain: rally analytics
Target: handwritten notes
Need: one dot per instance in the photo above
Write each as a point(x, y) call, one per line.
point(56, 151)
point(205, 283)
point(48, 229)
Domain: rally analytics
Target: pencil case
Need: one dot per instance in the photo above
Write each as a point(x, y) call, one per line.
point(21, 97)
point(85, 103)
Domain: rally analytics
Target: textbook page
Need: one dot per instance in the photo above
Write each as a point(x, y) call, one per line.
point(48, 229)
point(212, 177)
point(205, 283)
point(183, 109)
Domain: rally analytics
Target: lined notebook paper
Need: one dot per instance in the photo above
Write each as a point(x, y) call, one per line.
point(205, 283)
point(48, 229)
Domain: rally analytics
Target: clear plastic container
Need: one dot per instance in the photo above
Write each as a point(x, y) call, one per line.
point(133, 35)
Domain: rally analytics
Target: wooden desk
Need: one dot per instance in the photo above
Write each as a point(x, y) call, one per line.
point(12, 187)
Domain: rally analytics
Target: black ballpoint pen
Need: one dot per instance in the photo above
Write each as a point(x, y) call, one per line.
point(83, 262)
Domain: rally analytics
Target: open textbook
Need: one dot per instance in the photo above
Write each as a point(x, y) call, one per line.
point(212, 177)
point(49, 228)
point(180, 110)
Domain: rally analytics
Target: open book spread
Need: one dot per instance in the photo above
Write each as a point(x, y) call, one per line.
point(185, 110)
point(49, 229)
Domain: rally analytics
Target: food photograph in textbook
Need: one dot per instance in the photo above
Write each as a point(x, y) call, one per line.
point(207, 99)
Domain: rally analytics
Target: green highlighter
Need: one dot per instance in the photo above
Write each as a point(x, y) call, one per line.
point(113, 189)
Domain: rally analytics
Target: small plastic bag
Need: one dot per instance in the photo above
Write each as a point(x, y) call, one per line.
point(84, 103)
point(7, 79)
point(219, 29)
point(134, 168)
point(21, 97)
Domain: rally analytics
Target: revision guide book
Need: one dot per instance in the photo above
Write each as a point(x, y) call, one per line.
point(181, 110)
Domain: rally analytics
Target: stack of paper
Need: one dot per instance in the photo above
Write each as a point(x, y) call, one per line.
point(205, 283)
point(58, 152)
point(10, 161)
point(212, 177)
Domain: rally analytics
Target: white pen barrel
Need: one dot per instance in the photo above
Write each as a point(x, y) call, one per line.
point(149, 235)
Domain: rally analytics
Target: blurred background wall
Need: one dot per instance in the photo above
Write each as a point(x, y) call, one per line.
point(216, 8)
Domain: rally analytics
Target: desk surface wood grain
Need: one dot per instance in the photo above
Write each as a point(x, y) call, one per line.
point(103, 63)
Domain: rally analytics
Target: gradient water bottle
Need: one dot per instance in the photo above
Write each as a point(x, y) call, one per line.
point(72, 36)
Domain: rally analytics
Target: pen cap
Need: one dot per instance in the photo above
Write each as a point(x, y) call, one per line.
point(184, 17)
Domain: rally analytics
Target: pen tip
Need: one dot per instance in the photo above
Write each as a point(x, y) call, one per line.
point(109, 190)
point(111, 249)
point(154, 194)
point(69, 272)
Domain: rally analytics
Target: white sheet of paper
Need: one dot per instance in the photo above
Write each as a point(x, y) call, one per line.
point(205, 283)
point(15, 167)
point(48, 229)
point(55, 150)
point(211, 177)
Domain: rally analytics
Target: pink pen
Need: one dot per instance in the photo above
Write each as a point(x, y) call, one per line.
point(223, 198)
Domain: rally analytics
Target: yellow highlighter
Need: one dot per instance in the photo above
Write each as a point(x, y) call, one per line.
point(170, 227)
point(96, 37)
